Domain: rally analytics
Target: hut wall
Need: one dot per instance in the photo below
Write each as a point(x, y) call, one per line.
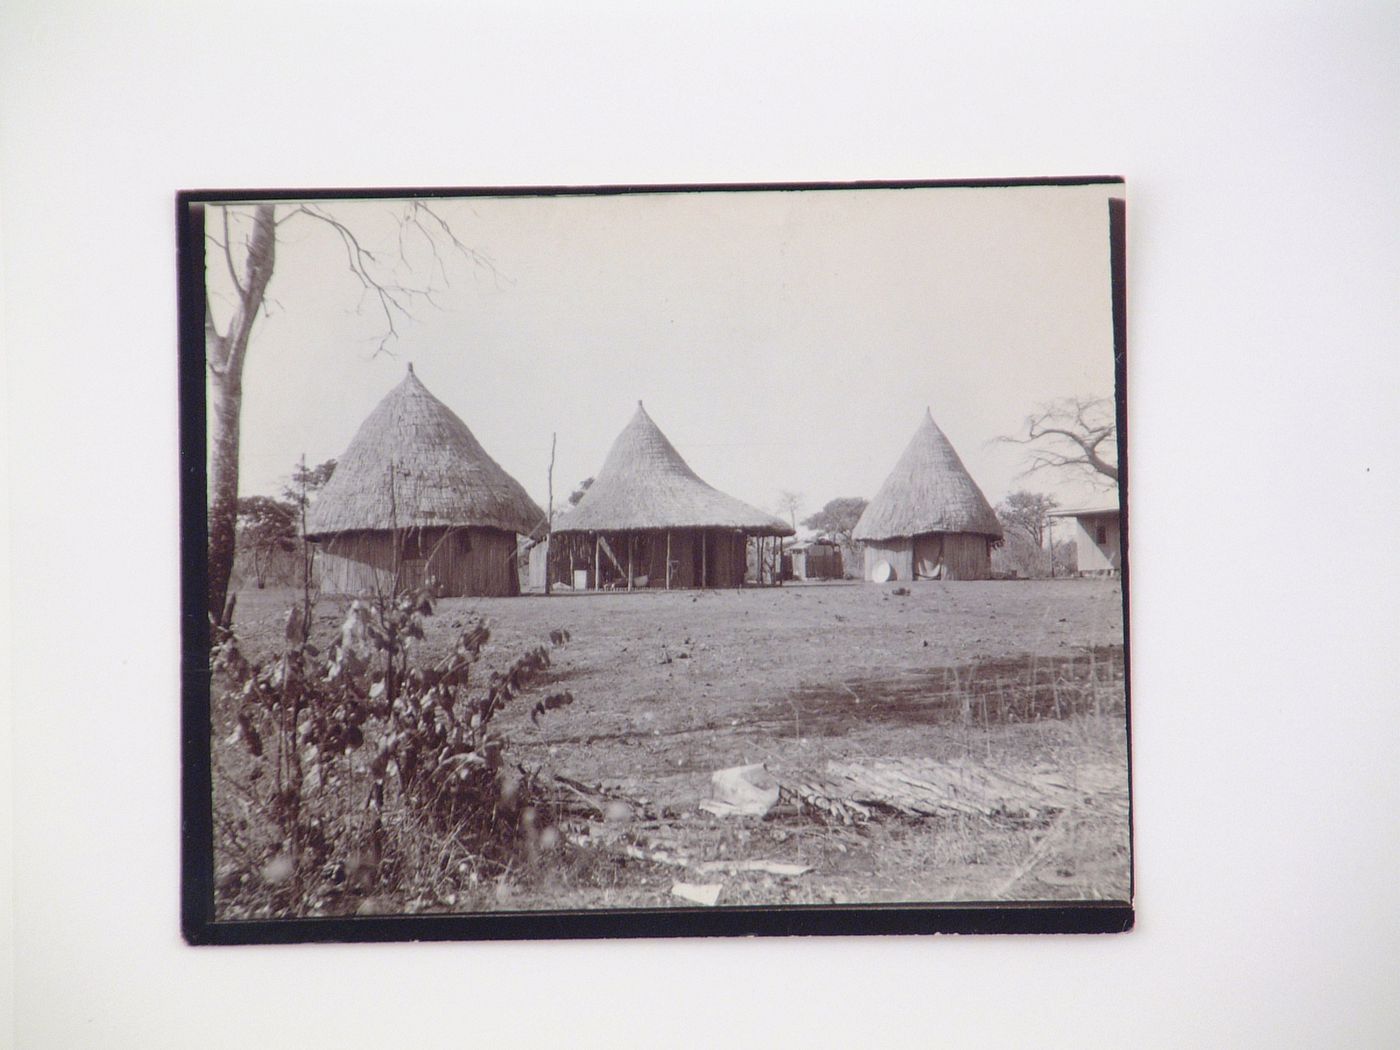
point(458, 562)
point(682, 549)
point(963, 555)
point(539, 566)
point(899, 552)
point(966, 556)
point(823, 563)
point(796, 564)
point(727, 559)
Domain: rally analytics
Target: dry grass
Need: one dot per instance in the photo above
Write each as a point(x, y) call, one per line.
point(1023, 678)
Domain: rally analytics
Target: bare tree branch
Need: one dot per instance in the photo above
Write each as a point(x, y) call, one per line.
point(228, 258)
point(1071, 434)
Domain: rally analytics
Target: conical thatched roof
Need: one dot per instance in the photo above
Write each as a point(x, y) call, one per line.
point(929, 490)
point(441, 474)
point(645, 484)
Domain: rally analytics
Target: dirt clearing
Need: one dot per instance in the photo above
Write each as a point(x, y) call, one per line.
point(1022, 681)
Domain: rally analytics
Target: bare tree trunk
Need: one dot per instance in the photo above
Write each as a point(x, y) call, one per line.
point(225, 355)
point(223, 490)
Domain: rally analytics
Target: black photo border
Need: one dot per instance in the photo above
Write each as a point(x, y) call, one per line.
point(198, 924)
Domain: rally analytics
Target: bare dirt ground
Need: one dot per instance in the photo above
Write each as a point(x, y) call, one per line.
point(1020, 679)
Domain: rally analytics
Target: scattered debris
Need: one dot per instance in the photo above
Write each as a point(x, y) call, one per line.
point(850, 791)
point(550, 703)
point(749, 791)
point(771, 867)
point(698, 893)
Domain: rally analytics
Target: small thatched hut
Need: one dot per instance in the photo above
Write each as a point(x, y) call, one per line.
point(929, 520)
point(649, 521)
point(416, 501)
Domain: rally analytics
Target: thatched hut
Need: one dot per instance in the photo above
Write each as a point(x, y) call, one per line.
point(929, 520)
point(415, 501)
point(648, 521)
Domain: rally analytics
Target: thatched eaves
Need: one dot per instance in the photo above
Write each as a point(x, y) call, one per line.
point(645, 484)
point(929, 490)
point(441, 474)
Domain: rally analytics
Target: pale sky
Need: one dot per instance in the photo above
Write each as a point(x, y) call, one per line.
point(781, 340)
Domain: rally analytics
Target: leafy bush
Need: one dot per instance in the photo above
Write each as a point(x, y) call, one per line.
point(432, 796)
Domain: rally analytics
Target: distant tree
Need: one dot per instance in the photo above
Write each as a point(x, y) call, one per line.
point(1027, 513)
point(577, 494)
point(265, 527)
point(837, 520)
point(307, 482)
point(1075, 434)
point(790, 503)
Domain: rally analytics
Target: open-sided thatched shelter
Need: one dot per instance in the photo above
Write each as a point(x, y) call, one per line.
point(416, 501)
point(649, 521)
point(929, 520)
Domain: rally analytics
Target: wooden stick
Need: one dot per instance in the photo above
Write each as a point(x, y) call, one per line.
point(668, 559)
point(549, 521)
point(597, 560)
point(631, 546)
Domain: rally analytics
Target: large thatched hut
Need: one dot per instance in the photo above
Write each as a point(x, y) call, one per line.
point(415, 501)
point(929, 520)
point(648, 521)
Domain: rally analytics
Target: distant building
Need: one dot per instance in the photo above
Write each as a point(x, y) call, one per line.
point(929, 521)
point(1097, 539)
point(813, 560)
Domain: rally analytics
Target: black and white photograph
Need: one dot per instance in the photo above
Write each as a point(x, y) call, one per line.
point(683, 551)
point(779, 524)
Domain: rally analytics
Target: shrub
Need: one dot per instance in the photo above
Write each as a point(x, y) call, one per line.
point(432, 797)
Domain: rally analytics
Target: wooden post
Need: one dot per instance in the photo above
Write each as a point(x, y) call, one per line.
point(668, 559)
point(597, 560)
point(549, 520)
point(631, 545)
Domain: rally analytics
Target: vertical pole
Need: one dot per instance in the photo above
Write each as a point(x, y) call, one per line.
point(549, 521)
point(597, 556)
point(668, 559)
point(631, 544)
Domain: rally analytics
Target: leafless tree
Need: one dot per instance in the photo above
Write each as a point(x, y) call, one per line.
point(1076, 434)
point(244, 239)
point(790, 503)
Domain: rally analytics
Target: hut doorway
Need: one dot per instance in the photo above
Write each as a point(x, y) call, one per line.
point(928, 557)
